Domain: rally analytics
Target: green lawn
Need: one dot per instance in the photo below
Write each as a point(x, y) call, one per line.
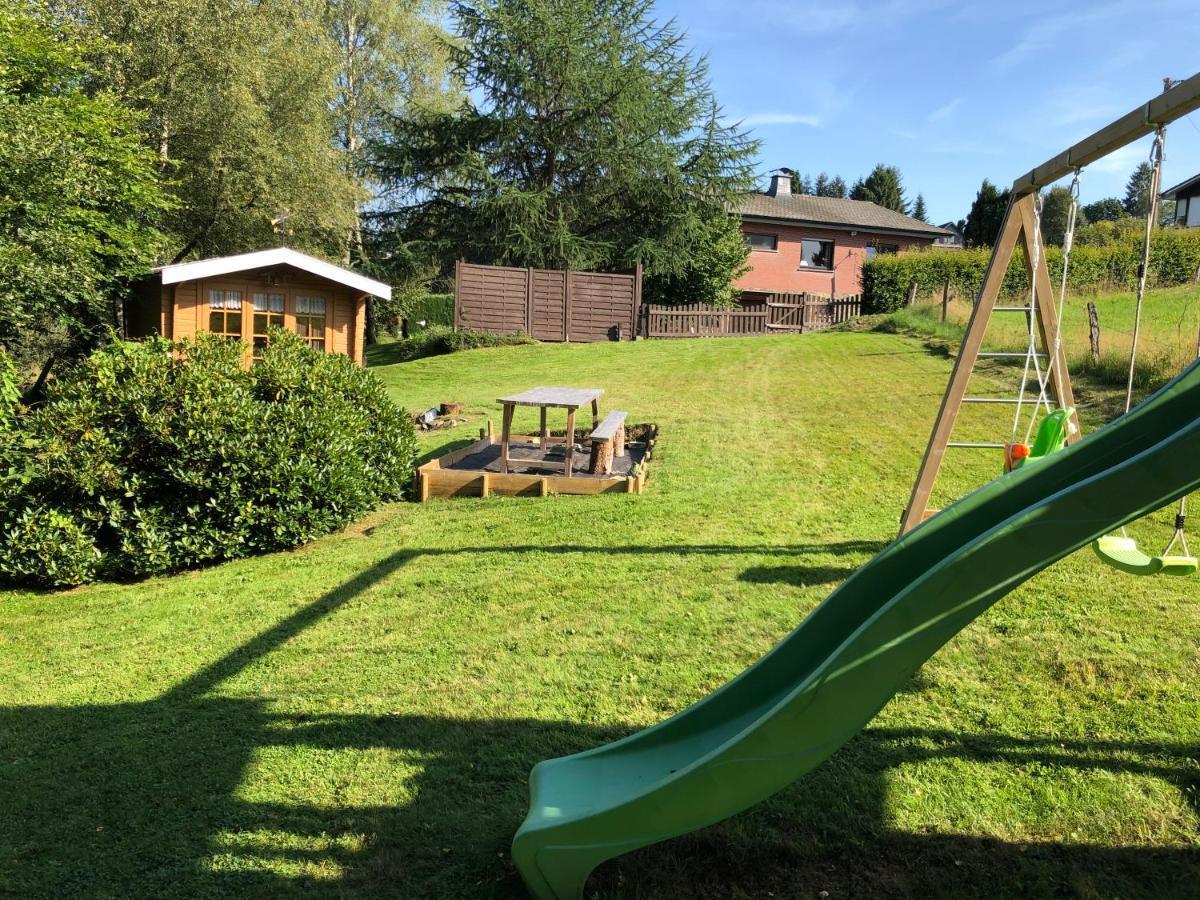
point(358, 718)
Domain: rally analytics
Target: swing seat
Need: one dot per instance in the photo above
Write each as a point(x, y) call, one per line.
point(1122, 553)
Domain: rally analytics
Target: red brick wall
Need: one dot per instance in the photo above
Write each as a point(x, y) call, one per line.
point(780, 270)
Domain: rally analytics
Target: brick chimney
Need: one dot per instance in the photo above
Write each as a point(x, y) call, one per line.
point(781, 183)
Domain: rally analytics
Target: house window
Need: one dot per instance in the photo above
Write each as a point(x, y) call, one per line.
point(225, 313)
point(816, 254)
point(310, 320)
point(268, 313)
point(874, 249)
point(761, 241)
point(1181, 206)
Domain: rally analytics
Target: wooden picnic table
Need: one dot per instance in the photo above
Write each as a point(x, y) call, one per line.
point(570, 399)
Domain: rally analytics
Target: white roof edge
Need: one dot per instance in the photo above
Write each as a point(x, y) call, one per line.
point(224, 265)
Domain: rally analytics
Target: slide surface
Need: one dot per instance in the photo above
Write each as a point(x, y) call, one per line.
point(827, 679)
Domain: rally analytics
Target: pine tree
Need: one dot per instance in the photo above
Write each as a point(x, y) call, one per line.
point(821, 185)
point(590, 138)
point(837, 188)
point(883, 187)
point(1137, 191)
point(986, 216)
point(801, 184)
point(919, 212)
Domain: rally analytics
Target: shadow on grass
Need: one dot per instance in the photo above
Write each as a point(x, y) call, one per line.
point(157, 799)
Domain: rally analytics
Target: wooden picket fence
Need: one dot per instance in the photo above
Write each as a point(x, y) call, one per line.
point(777, 313)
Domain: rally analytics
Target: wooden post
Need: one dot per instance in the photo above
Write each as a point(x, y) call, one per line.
point(1094, 331)
point(945, 299)
point(544, 487)
point(457, 301)
point(637, 302)
point(529, 301)
point(911, 297)
point(595, 414)
point(485, 486)
point(968, 353)
point(422, 487)
point(567, 306)
point(505, 433)
point(602, 458)
point(570, 456)
point(619, 442)
point(545, 429)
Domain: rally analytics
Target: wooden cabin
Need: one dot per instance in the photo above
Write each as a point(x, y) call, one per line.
point(242, 296)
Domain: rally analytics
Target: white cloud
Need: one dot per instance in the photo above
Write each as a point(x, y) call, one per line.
point(945, 110)
point(778, 118)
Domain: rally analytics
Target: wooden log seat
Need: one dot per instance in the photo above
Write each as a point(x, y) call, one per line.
point(608, 441)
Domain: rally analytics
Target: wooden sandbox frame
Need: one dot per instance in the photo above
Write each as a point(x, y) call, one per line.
point(434, 480)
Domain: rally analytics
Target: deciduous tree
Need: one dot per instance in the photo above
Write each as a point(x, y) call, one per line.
point(79, 195)
point(1107, 210)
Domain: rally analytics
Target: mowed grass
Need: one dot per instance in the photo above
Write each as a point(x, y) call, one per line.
point(358, 718)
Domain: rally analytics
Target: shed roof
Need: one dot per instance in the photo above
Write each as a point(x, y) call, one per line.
point(225, 265)
point(1169, 193)
point(832, 211)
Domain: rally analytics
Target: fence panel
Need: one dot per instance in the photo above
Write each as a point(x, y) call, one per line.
point(549, 304)
point(781, 313)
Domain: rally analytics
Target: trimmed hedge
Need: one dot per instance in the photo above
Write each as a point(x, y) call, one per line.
point(155, 456)
point(433, 310)
point(1174, 257)
point(440, 339)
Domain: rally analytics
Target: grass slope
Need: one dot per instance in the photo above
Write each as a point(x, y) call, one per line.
point(358, 718)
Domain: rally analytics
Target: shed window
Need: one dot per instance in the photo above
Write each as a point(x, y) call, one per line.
point(816, 254)
point(761, 241)
point(268, 313)
point(310, 320)
point(225, 313)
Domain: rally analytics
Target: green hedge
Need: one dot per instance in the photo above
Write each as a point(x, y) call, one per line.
point(433, 310)
point(1174, 257)
point(155, 456)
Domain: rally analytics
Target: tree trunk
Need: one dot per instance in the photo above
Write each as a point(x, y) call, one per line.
point(602, 458)
point(1094, 331)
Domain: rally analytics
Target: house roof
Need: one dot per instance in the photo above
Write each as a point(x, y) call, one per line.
point(285, 256)
point(834, 212)
point(1169, 193)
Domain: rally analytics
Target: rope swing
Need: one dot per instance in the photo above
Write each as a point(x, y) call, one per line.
point(1121, 551)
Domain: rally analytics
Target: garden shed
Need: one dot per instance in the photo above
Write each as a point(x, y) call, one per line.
point(242, 296)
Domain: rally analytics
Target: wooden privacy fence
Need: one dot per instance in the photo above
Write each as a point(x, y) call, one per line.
point(778, 313)
point(549, 304)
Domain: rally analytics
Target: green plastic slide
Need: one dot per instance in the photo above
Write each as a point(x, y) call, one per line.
point(826, 680)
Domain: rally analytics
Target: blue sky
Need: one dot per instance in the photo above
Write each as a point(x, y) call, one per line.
point(951, 92)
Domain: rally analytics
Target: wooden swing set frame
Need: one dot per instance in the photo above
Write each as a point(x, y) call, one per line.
point(1019, 222)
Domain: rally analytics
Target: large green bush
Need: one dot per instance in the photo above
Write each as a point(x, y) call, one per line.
point(156, 456)
point(1174, 257)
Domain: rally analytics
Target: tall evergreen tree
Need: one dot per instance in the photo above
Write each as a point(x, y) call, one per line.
point(1137, 191)
point(801, 184)
point(589, 137)
point(918, 211)
point(837, 188)
point(883, 187)
point(986, 216)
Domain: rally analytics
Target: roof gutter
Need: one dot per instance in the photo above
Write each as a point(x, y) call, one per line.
point(931, 233)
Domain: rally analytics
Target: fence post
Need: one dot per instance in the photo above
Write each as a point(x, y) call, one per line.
point(637, 300)
point(566, 306)
point(529, 301)
point(911, 298)
point(457, 303)
point(1094, 331)
point(945, 298)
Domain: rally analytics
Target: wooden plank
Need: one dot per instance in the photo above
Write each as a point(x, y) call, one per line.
point(1180, 100)
point(568, 466)
point(561, 397)
point(968, 353)
point(505, 436)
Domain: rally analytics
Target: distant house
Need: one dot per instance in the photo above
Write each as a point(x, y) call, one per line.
point(242, 296)
point(800, 242)
point(953, 239)
point(1186, 195)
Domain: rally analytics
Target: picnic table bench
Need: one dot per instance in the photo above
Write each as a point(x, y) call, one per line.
point(545, 398)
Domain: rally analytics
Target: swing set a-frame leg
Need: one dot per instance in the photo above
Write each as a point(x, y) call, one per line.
point(1018, 221)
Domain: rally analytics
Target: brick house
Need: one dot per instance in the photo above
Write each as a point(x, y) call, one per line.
point(800, 242)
